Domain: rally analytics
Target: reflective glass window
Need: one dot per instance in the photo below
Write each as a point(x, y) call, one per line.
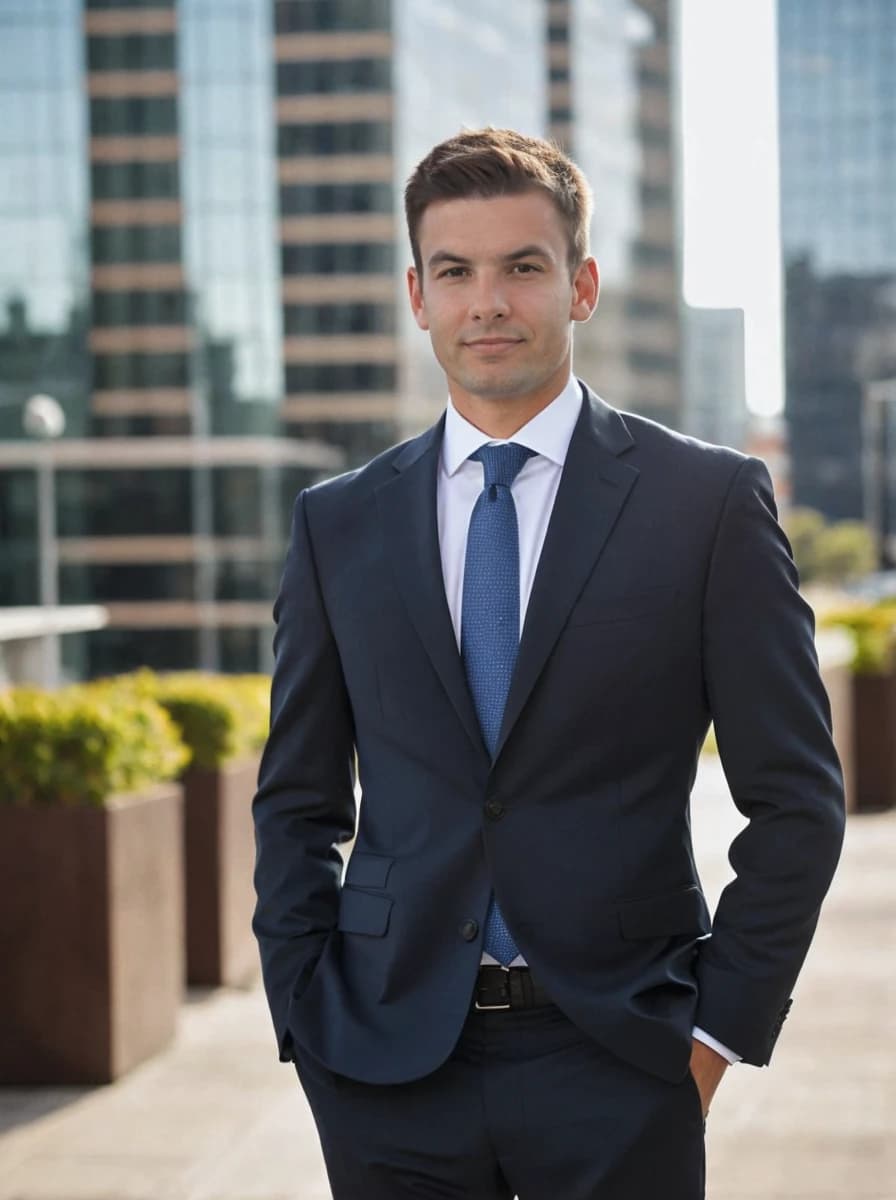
point(131, 52)
point(327, 137)
point(300, 198)
point(124, 117)
point(135, 243)
point(134, 180)
point(334, 75)
point(338, 318)
point(342, 258)
point(340, 377)
point(139, 308)
point(303, 16)
point(113, 371)
point(126, 501)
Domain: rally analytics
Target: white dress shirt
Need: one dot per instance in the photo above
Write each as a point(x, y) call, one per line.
point(534, 490)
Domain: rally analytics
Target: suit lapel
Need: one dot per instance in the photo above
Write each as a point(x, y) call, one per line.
point(408, 514)
point(593, 490)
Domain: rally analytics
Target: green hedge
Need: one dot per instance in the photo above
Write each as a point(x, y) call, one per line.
point(75, 748)
point(219, 717)
point(88, 742)
point(873, 631)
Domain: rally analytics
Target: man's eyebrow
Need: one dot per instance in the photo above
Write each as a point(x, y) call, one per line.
point(443, 256)
point(531, 251)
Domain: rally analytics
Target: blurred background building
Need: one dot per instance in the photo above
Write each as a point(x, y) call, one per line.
point(714, 376)
point(837, 92)
point(202, 258)
point(614, 105)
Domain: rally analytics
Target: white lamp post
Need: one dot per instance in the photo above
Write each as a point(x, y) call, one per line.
point(43, 418)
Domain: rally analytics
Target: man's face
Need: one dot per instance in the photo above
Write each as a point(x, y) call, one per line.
point(496, 295)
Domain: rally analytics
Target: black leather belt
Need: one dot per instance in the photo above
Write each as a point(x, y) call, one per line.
point(507, 988)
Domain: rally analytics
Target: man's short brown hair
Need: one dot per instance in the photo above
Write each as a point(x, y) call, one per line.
point(490, 162)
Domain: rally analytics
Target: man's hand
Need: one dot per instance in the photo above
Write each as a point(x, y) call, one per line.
point(707, 1067)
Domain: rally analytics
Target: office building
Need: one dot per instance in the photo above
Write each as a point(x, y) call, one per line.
point(139, 289)
point(714, 378)
point(838, 216)
point(613, 103)
point(202, 260)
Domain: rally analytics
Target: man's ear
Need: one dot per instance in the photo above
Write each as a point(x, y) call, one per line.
point(415, 294)
point(585, 290)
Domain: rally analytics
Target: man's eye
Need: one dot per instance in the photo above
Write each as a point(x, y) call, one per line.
point(525, 268)
point(452, 273)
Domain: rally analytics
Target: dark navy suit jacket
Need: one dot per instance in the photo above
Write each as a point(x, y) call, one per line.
point(665, 596)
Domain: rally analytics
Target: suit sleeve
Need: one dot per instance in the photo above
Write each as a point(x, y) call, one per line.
point(305, 804)
point(773, 727)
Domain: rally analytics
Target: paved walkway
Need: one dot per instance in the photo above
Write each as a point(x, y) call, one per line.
point(216, 1117)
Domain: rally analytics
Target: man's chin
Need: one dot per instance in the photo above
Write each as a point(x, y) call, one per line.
point(497, 387)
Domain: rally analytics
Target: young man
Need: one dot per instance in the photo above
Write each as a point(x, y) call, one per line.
point(522, 622)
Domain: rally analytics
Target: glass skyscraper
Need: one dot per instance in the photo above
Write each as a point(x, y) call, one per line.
point(838, 214)
point(202, 259)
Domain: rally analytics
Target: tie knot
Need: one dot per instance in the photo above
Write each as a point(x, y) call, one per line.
point(501, 464)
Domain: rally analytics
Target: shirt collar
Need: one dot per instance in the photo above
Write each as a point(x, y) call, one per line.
point(548, 433)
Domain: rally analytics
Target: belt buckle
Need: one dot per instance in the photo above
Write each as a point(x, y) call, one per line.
point(495, 1007)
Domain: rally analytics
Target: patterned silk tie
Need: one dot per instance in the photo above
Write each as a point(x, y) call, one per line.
point(490, 619)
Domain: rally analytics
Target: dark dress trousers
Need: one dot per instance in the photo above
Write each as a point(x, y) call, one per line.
point(665, 596)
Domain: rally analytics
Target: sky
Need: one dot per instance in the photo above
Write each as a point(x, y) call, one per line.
point(731, 241)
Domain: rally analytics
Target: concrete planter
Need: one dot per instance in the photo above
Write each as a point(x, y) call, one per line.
point(219, 860)
point(91, 937)
point(874, 725)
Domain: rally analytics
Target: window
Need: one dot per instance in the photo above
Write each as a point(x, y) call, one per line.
point(327, 137)
point(315, 16)
point(333, 75)
point(134, 180)
point(302, 198)
point(114, 371)
point(340, 377)
point(326, 319)
point(139, 308)
point(339, 258)
point(155, 115)
point(132, 52)
point(135, 243)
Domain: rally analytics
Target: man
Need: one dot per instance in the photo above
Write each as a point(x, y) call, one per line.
point(521, 623)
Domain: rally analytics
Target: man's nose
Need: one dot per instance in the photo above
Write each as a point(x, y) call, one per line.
point(489, 302)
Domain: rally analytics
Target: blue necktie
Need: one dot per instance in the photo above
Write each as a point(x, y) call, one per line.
point(490, 619)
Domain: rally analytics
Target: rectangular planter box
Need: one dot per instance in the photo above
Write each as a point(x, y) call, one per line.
point(91, 937)
point(219, 861)
point(874, 726)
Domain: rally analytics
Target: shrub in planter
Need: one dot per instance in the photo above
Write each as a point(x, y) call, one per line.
point(223, 721)
point(873, 630)
point(90, 885)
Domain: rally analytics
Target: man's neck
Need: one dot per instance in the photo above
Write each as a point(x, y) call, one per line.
point(501, 418)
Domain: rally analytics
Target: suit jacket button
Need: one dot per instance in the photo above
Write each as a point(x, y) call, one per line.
point(494, 809)
point(468, 930)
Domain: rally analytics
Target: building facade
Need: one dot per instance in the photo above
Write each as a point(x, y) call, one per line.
point(203, 258)
point(613, 104)
point(139, 288)
point(838, 216)
point(714, 375)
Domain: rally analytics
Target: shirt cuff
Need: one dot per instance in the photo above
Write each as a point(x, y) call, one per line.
point(708, 1040)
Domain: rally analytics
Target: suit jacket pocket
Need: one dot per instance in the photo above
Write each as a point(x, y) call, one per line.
point(368, 870)
point(363, 912)
point(598, 609)
point(683, 911)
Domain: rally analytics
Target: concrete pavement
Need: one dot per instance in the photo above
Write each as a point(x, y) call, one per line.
point(216, 1117)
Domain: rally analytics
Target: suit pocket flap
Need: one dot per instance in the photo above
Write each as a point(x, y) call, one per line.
point(363, 912)
point(683, 911)
point(368, 870)
point(597, 608)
